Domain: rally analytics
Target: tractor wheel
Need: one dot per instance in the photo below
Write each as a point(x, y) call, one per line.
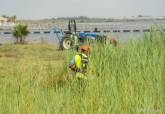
point(66, 43)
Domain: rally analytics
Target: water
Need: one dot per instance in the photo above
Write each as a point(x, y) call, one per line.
point(48, 38)
point(125, 36)
point(136, 31)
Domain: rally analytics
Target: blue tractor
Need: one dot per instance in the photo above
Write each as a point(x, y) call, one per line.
point(65, 40)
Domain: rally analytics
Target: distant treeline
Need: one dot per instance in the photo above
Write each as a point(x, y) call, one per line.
point(88, 19)
point(84, 19)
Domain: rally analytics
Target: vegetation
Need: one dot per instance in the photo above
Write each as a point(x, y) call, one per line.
point(20, 32)
point(125, 79)
point(84, 19)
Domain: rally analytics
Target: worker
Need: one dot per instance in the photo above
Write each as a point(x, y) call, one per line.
point(80, 61)
point(75, 41)
point(113, 41)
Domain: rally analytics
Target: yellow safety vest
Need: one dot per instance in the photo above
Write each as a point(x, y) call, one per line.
point(81, 61)
point(78, 61)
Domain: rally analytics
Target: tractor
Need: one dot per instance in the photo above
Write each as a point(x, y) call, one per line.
point(65, 40)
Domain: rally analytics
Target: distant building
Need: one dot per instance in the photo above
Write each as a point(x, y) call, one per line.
point(5, 23)
point(3, 20)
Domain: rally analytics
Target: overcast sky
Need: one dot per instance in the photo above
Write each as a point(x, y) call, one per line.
point(37, 9)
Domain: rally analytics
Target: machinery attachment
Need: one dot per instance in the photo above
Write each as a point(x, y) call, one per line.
point(72, 26)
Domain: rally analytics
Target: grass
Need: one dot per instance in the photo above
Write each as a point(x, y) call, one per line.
point(129, 79)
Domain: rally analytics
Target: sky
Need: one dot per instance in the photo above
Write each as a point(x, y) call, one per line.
point(39, 9)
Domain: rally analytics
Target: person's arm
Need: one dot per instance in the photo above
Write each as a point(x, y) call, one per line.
point(72, 62)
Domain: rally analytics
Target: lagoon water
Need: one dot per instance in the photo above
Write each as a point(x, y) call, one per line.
point(51, 38)
point(48, 38)
point(122, 30)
